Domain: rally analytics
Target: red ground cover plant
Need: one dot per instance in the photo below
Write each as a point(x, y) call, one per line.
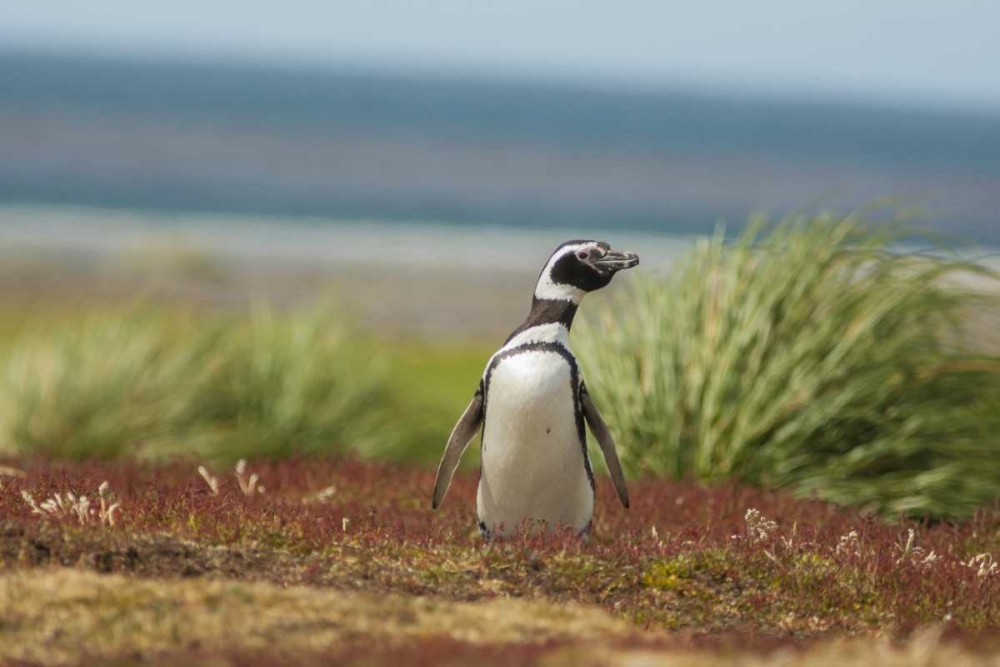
point(712, 562)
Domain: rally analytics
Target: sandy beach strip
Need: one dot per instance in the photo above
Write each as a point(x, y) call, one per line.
point(417, 278)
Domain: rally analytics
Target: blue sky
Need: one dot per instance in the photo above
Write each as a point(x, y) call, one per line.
point(940, 53)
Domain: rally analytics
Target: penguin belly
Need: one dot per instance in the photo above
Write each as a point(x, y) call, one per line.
point(533, 465)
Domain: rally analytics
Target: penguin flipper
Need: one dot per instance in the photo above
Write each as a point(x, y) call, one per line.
point(607, 443)
point(461, 436)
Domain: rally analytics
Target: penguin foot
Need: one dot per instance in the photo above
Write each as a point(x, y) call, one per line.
point(485, 532)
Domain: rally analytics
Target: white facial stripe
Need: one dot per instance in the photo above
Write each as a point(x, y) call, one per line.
point(550, 291)
point(553, 291)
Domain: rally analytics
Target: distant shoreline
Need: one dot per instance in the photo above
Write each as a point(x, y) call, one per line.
point(316, 243)
point(429, 280)
point(418, 279)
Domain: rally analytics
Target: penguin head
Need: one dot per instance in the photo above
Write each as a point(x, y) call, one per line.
point(578, 267)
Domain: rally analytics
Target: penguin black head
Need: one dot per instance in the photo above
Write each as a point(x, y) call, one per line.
point(578, 267)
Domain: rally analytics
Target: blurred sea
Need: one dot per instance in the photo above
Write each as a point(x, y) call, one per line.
point(220, 149)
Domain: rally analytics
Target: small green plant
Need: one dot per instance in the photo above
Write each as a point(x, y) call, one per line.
point(810, 355)
point(154, 384)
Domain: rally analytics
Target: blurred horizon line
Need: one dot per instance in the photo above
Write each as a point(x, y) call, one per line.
point(709, 88)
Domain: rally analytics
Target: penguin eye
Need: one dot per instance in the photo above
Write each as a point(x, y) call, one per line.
point(583, 255)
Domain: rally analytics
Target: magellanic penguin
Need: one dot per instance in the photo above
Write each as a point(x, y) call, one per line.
point(532, 403)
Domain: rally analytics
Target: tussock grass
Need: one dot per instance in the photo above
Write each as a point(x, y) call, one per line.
point(154, 384)
point(806, 355)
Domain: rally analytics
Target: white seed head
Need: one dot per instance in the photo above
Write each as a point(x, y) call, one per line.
point(983, 564)
point(759, 528)
point(326, 494)
point(213, 482)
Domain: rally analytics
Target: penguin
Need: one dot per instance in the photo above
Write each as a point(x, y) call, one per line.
point(531, 405)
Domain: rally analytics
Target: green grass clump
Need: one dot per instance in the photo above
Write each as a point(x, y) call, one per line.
point(156, 384)
point(808, 356)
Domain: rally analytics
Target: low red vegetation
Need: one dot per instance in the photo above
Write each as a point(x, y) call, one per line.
point(683, 556)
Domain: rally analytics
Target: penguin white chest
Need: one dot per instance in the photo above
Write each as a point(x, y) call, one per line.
point(533, 462)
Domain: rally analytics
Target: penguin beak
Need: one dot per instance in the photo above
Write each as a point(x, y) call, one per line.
point(614, 261)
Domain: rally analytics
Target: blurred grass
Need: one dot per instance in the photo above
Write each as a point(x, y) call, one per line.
point(806, 355)
point(434, 384)
point(159, 382)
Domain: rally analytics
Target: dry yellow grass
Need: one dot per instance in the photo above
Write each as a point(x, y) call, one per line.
point(62, 615)
point(925, 649)
point(51, 616)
